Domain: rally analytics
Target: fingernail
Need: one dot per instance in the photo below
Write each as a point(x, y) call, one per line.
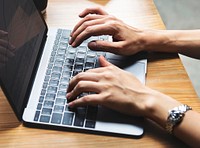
point(68, 96)
point(70, 41)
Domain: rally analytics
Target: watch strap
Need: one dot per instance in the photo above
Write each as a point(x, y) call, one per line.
point(175, 116)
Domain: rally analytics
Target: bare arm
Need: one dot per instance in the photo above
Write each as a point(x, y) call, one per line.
point(130, 40)
point(130, 96)
point(186, 42)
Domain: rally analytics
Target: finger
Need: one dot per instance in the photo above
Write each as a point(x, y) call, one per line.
point(81, 27)
point(107, 46)
point(92, 99)
point(83, 86)
point(96, 10)
point(88, 18)
point(104, 62)
point(84, 76)
point(95, 30)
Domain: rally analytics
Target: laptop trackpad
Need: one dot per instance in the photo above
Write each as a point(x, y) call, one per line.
point(115, 122)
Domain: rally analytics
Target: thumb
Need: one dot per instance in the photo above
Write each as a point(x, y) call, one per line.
point(104, 62)
point(106, 46)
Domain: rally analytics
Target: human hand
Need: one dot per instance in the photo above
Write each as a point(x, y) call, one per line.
point(113, 87)
point(127, 40)
point(6, 49)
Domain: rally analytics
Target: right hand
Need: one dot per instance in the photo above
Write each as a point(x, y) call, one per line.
point(127, 40)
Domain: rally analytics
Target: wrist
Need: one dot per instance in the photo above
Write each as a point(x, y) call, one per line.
point(157, 40)
point(157, 107)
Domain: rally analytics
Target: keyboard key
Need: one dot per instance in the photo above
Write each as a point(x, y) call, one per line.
point(71, 55)
point(63, 45)
point(66, 32)
point(51, 59)
point(60, 56)
point(55, 47)
point(50, 66)
point(43, 91)
point(68, 67)
point(48, 104)
point(44, 118)
point(58, 108)
point(41, 99)
point(81, 110)
point(57, 69)
point(75, 72)
point(63, 87)
point(61, 94)
point(89, 65)
point(52, 89)
point(50, 96)
point(56, 118)
point(55, 75)
point(91, 113)
point(37, 114)
point(59, 63)
point(48, 72)
point(90, 124)
point(82, 49)
point(66, 73)
point(64, 80)
point(79, 60)
point(90, 59)
point(68, 118)
point(46, 111)
point(64, 40)
point(91, 54)
point(53, 82)
point(79, 120)
point(60, 101)
point(39, 106)
point(69, 61)
point(78, 67)
point(45, 84)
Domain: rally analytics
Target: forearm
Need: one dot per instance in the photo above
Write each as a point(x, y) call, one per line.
point(189, 128)
point(186, 42)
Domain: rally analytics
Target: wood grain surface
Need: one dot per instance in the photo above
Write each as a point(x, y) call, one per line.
point(165, 73)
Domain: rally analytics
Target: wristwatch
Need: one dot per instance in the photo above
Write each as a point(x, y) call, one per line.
point(175, 116)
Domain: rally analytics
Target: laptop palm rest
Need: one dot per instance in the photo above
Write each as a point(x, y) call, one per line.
point(115, 122)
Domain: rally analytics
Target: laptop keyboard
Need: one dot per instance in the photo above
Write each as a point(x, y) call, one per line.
point(64, 63)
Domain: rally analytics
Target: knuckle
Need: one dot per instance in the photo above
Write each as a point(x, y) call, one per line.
point(107, 75)
point(111, 17)
point(88, 29)
point(86, 99)
point(80, 85)
point(85, 24)
point(79, 77)
point(88, 17)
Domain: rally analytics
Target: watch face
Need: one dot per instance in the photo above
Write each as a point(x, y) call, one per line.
point(176, 116)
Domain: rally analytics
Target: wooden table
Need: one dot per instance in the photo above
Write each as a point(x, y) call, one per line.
point(165, 73)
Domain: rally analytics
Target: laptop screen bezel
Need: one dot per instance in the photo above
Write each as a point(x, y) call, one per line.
point(17, 112)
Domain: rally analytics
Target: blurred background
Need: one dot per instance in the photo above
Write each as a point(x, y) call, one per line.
point(183, 14)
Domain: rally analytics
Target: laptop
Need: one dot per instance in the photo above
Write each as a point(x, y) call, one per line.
point(37, 64)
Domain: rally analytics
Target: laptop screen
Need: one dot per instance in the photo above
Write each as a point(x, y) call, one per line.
point(22, 32)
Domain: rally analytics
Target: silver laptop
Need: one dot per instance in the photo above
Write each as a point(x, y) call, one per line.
point(36, 66)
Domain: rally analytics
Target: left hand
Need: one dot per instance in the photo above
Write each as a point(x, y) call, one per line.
point(127, 40)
